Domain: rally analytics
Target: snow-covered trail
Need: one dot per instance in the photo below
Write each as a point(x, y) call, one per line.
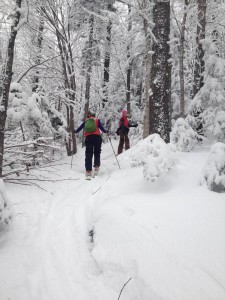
point(168, 237)
point(63, 243)
point(54, 240)
point(58, 247)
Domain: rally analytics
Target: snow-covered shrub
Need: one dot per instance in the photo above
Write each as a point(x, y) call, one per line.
point(34, 128)
point(38, 116)
point(219, 129)
point(17, 107)
point(156, 157)
point(213, 174)
point(5, 208)
point(191, 122)
point(183, 136)
point(209, 103)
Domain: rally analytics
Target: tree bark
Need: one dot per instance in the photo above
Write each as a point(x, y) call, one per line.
point(148, 64)
point(72, 95)
point(107, 61)
point(7, 78)
point(89, 66)
point(181, 59)
point(199, 62)
point(129, 70)
point(39, 50)
point(160, 75)
point(69, 80)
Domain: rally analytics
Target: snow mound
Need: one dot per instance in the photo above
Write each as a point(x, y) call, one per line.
point(183, 136)
point(213, 174)
point(156, 157)
point(219, 129)
point(15, 87)
point(5, 208)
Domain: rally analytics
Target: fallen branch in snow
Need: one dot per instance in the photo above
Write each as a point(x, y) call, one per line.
point(124, 287)
point(27, 168)
point(38, 179)
point(33, 181)
point(32, 143)
point(14, 171)
point(29, 184)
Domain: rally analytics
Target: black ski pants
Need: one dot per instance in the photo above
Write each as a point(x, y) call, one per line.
point(93, 145)
point(123, 138)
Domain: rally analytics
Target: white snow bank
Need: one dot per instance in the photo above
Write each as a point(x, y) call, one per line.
point(156, 157)
point(213, 174)
point(168, 236)
point(15, 87)
point(183, 136)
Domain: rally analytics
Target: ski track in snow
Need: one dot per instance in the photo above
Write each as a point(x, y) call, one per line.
point(64, 277)
point(56, 260)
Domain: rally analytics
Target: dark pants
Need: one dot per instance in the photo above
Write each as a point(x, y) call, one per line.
point(93, 145)
point(123, 138)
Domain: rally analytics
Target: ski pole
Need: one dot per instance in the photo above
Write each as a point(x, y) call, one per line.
point(113, 151)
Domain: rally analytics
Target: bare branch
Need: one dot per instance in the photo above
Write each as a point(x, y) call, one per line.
point(124, 287)
point(33, 66)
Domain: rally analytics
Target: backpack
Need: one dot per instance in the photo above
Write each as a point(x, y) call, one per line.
point(90, 125)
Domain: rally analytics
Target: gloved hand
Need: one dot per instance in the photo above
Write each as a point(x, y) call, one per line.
point(135, 125)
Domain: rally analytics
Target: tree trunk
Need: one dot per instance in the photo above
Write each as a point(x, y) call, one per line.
point(181, 59)
point(7, 77)
point(199, 62)
point(39, 50)
point(69, 83)
point(89, 66)
point(129, 64)
point(107, 61)
point(72, 92)
point(148, 63)
point(160, 75)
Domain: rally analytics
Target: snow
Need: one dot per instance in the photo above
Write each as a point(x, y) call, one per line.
point(183, 136)
point(168, 236)
point(156, 157)
point(6, 211)
point(213, 174)
point(209, 101)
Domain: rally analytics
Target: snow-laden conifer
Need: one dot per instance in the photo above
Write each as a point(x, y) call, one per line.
point(156, 157)
point(210, 100)
point(213, 174)
point(183, 136)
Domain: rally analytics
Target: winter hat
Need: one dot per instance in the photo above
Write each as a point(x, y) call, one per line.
point(124, 111)
point(90, 114)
